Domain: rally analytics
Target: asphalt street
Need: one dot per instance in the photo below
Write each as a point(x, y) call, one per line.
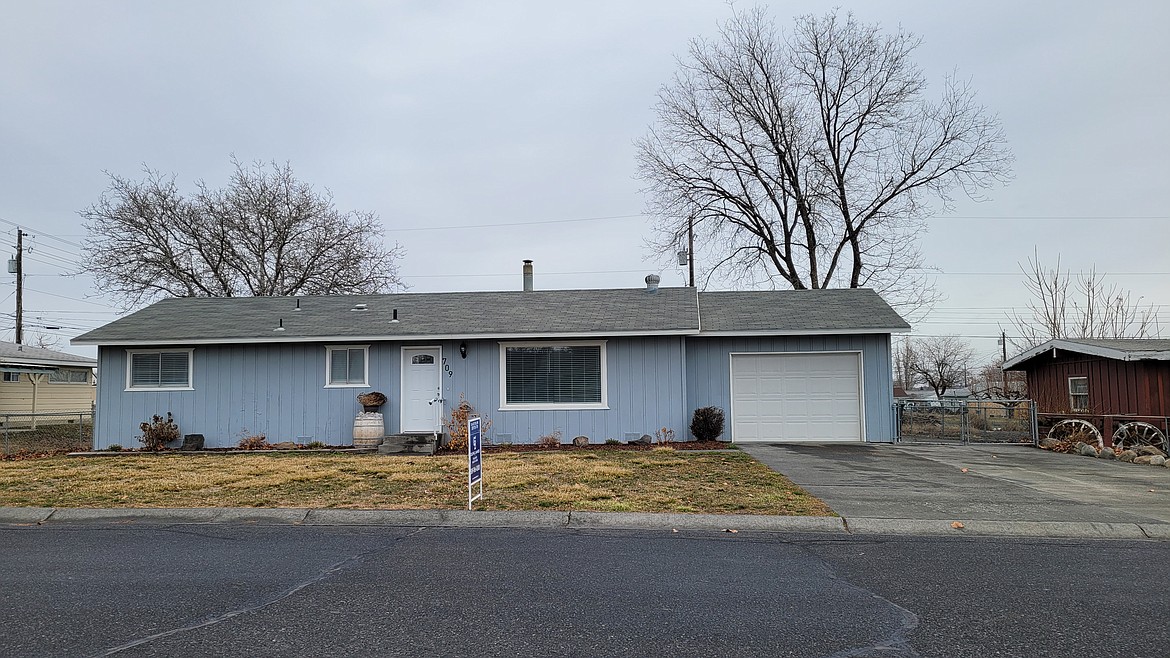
point(255, 590)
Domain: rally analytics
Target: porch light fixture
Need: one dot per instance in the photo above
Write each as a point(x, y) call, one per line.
point(463, 350)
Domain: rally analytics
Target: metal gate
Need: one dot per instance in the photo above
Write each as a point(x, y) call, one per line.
point(965, 421)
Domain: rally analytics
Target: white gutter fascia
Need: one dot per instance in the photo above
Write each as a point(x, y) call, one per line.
point(228, 340)
point(1093, 350)
point(805, 332)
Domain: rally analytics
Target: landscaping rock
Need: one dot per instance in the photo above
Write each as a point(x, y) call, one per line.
point(644, 440)
point(192, 442)
point(1143, 459)
point(1127, 456)
point(1078, 445)
point(580, 441)
point(1149, 450)
point(1049, 443)
point(1086, 450)
point(1107, 453)
point(1157, 460)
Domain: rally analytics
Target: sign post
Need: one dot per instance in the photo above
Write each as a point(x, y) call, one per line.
point(474, 461)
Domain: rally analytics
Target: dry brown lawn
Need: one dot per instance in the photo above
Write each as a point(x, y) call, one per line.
point(660, 480)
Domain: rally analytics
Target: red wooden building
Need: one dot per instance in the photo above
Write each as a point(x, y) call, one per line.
point(1125, 376)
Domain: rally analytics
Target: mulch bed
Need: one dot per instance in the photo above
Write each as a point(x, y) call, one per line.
point(569, 447)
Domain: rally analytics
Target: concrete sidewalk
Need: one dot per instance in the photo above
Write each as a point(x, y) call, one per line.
point(1003, 484)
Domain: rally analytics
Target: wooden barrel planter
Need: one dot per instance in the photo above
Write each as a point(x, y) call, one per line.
point(368, 430)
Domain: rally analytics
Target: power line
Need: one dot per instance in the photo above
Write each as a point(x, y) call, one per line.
point(497, 225)
point(42, 233)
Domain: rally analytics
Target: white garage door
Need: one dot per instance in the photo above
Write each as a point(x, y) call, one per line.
point(796, 397)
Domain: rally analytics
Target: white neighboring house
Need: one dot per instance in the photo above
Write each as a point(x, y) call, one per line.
point(38, 380)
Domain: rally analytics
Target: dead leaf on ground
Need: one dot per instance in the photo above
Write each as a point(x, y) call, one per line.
point(729, 530)
point(956, 525)
point(964, 470)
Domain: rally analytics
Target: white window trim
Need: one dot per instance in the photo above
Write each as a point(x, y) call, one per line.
point(190, 370)
point(1072, 407)
point(329, 365)
point(554, 406)
point(11, 381)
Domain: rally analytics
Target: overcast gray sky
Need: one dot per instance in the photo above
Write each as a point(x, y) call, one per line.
point(516, 119)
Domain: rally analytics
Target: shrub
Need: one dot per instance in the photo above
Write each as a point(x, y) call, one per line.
point(612, 442)
point(315, 445)
point(707, 423)
point(157, 433)
point(664, 435)
point(550, 440)
point(114, 447)
point(255, 442)
point(456, 425)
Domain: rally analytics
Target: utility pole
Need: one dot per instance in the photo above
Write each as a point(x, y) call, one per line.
point(691, 248)
point(19, 286)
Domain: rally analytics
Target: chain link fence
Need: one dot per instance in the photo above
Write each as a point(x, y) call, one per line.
point(46, 432)
point(966, 421)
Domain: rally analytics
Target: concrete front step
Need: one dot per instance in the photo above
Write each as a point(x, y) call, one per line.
point(407, 444)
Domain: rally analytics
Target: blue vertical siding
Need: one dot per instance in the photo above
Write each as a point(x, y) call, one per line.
point(709, 371)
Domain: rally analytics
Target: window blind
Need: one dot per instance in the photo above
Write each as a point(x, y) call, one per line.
point(160, 370)
point(569, 374)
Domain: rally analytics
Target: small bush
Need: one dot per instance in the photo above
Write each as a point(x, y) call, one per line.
point(550, 440)
point(456, 425)
point(664, 435)
point(612, 442)
point(255, 442)
point(315, 445)
point(157, 433)
point(707, 423)
point(114, 447)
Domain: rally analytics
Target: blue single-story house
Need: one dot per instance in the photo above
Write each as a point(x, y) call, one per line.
point(807, 365)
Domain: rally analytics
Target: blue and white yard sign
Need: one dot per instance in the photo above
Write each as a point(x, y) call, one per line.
point(474, 461)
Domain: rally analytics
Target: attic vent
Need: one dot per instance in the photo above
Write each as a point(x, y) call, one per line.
point(358, 307)
point(395, 318)
point(280, 327)
point(652, 281)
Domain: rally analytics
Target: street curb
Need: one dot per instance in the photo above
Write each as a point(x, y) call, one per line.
point(998, 528)
point(587, 520)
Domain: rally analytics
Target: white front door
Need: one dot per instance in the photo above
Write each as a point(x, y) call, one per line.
point(421, 407)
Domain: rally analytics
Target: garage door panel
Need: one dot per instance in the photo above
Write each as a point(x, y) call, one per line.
point(796, 397)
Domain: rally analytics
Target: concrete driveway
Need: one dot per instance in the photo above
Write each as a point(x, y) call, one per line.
point(1002, 483)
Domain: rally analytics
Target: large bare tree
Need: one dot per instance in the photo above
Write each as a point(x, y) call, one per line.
point(1062, 305)
point(943, 362)
point(809, 159)
point(265, 233)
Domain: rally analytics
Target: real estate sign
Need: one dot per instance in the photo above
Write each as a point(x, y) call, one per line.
point(474, 461)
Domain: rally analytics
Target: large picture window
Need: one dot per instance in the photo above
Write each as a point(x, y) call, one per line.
point(547, 375)
point(1078, 393)
point(347, 365)
point(159, 369)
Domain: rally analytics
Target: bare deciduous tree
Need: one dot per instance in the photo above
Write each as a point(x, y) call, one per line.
point(1062, 306)
point(266, 233)
point(943, 362)
point(810, 159)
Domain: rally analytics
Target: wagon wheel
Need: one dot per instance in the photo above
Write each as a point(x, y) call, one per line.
point(1076, 430)
point(1137, 433)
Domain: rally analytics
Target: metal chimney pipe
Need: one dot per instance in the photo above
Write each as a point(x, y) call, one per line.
point(652, 282)
point(527, 275)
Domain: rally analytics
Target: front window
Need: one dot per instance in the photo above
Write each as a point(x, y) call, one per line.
point(347, 366)
point(155, 369)
point(69, 376)
point(12, 377)
point(1078, 393)
point(546, 375)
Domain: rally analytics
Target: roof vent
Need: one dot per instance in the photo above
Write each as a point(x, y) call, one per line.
point(280, 326)
point(652, 282)
point(395, 318)
point(358, 307)
point(527, 275)
point(298, 306)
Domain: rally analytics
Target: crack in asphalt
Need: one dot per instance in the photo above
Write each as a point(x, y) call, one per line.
point(211, 621)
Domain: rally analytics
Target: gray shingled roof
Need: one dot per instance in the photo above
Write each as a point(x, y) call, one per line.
point(27, 355)
point(1125, 344)
point(1122, 349)
point(498, 314)
point(790, 311)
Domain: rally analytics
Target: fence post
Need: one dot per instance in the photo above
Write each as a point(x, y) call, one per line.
point(1035, 423)
point(964, 426)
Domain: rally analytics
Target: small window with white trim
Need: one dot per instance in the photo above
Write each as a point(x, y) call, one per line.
point(69, 377)
point(12, 377)
point(347, 365)
point(1078, 393)
point(159, 369)
point(553, 375)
